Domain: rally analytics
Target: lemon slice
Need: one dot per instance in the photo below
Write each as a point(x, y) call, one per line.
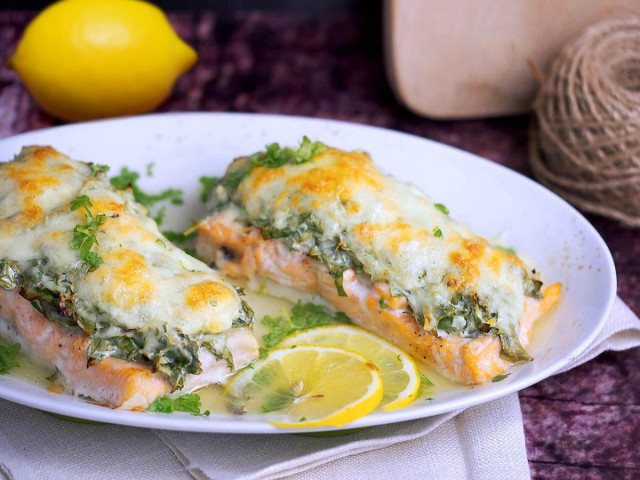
point(400, 374)
point(308, 386)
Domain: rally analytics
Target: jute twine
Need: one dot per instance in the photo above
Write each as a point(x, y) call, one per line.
point(588, 116)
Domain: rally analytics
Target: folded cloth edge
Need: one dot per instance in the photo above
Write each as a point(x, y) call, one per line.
point(309, 461)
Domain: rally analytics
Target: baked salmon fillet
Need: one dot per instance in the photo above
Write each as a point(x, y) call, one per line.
point(329, 222)
point(90, 286)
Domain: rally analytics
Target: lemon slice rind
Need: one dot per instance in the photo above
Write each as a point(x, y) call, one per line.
point(400, 360)
point(343, 414)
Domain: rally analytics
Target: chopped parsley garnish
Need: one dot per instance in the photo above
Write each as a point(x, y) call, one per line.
point(80, 202)
point(189, 402)
point(184, 241)
point(276, 156)
point(425, 383)
point(445, 323)
point(506, 249)
point(8, 358)
point(161, 243)
point(273, 156)
point(303, 316)
point(97, 169)
point(208, 184)
point(382, 302)
point(499, 378)
point(442, 208)
point(184, 267)
point(178, 238)
point(191, 252)
point(437, 232)
point(128, 179)
point(54, 376)
point(263, 284)
point(162, 404)
point(84, 236)
point(233, 179)
point(150, 169)
point(278, 400)
point(9, 275)
point(159, 216)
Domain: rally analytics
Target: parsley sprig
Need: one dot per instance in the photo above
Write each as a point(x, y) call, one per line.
point(97, 169)
point(425, 386)
point(506, 249)
point(302, 316)
point(273, 156)
point(208, 184)
point(442, 208)
point(179, 238)
point(84, 236)
point(182, 240)
point(8, 358)
point(189, 402)
point(499, 378)
point(129, 179)
point(276, 156)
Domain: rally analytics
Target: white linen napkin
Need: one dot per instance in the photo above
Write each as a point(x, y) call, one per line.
point(34, 445)
point(456, 447)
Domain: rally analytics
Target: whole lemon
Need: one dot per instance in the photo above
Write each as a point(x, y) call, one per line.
point(87, 59)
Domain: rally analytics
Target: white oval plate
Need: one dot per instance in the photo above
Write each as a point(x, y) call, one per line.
point(492, 199)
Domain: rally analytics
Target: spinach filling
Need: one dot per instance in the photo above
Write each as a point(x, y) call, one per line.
point(464, 314)
point(169, 352)
point(467, 316)
point(303, 235)
point(9, 275)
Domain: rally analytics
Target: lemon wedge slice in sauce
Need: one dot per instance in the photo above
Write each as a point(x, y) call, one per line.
point(307, 386)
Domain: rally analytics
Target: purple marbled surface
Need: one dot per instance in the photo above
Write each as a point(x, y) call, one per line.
point(581, 424)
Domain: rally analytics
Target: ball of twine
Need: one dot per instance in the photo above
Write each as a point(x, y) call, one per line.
point(588, 116)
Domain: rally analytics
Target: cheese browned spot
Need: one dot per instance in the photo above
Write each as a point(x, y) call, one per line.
point(263, 175)
point(338, 179)
point(466, 260)
point(106, 206)
point(31, 180)
point(127, 278)
point(208, 295)
point(397, 234)
point(31, 189)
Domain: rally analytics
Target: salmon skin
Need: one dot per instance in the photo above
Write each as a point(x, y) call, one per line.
point(90, 285)
point(379, 250)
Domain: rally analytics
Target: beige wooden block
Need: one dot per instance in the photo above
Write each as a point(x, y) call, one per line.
point(472, 58)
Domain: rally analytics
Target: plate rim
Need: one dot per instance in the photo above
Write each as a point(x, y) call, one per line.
point(184, 422)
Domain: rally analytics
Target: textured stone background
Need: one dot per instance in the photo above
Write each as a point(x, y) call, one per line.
point(582, 424)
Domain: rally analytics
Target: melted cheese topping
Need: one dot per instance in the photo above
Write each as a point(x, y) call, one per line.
point(392, 229)
point(29, 190)
point(145, 282)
